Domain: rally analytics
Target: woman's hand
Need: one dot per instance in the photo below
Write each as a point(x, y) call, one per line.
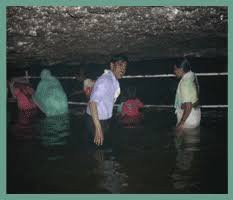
point(187, 107)
point(179, 126)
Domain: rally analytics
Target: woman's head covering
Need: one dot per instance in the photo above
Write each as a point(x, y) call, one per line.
point(50, 96)
point(45, 74)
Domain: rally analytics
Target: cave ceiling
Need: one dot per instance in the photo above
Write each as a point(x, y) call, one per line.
point(74, 35)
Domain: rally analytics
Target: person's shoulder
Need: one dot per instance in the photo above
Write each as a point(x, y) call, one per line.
point(105, 78)
point(129, 101)
point(137, 100)
point(186, 83)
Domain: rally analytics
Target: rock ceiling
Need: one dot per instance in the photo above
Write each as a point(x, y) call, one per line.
point(53, 35)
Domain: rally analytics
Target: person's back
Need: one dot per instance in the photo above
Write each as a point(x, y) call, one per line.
point(50, 96)
point(22, 91)
point(23, 96)
point(131, 114)
point(131, 107)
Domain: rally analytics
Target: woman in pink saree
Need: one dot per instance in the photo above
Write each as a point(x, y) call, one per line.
point(23, 92)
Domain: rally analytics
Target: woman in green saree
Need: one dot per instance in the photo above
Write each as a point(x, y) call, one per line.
point(50, 96)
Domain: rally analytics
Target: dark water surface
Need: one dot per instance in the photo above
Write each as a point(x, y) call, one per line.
point(50, 155)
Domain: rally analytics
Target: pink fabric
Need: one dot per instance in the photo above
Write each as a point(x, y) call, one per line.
point(131, 107)
point(126, 120)
point(23, 96)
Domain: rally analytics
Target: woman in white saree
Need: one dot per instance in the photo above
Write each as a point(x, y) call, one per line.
point(187, 96)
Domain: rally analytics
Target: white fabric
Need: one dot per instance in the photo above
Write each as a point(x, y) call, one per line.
point(186, 90)
point(104, 94)
point(193, 119)
point(118, 91)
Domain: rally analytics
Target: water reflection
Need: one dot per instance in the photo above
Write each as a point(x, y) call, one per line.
point(23, 127)
point(56, 161)
point(113, 179)
point(53, 133)
point(186, 174)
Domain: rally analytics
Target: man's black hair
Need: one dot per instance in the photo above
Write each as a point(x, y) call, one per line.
point(119, 57)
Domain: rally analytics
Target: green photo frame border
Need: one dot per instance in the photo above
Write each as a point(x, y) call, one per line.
point(3, 6)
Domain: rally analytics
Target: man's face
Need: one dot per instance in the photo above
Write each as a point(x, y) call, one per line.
point(178, 71)
point(119, 68)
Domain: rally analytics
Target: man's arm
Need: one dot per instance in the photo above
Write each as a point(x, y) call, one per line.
point(99, 136)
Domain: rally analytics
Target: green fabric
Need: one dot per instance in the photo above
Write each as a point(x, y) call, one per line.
point(54, 130)
point(50, 96)
point(186, 90)
point(119, 108)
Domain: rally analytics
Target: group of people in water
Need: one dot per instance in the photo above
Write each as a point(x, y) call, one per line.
point(50, 98)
